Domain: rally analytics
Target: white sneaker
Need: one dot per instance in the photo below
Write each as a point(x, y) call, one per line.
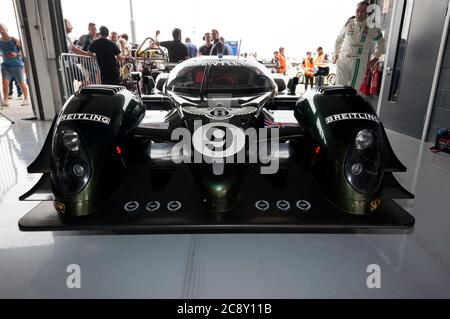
point(25, 102)
point(5, 103)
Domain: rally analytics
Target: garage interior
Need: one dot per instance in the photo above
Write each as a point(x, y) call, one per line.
point(414, 264)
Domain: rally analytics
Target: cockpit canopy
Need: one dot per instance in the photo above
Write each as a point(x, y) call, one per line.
point(208, 75)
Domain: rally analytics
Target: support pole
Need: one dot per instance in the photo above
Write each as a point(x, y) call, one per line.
point(132, 23)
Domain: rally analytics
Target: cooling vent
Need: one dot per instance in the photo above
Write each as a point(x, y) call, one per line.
point(336, 90)
point(102, 89)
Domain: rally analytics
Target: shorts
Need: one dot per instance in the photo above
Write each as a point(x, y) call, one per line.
point(13, 71)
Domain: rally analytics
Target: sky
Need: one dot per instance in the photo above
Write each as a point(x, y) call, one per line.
point(262, 26)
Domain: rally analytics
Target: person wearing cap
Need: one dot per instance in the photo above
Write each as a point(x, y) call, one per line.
point(107, 54)
point(282, 61)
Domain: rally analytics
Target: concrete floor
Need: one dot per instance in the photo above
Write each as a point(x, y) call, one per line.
point(15, 111)
point(33, 265)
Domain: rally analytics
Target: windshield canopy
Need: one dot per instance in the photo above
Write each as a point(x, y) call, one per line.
point(235, 78)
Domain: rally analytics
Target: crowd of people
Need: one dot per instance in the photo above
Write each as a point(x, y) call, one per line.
point(316, 68)
point(353, 52)
point(358, 48)
point(110, 48)
point(313, 67)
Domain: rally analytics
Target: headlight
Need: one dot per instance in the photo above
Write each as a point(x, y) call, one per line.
point(71, 140)
point(357, 169)
point(79, 170)
point(363, 166)
point(364, 140)
point(72, 165)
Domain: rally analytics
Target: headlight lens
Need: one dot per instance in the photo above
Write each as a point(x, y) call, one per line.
point(71, 140)
point(357, 169)
point(364, 140)
point(79, 170)
point(72, 168)
point(363, 166)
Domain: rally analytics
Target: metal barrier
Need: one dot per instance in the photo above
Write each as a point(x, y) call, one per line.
point(8, 168)
point(77, 72)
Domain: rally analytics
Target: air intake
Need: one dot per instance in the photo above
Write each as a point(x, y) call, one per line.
point(102, 89)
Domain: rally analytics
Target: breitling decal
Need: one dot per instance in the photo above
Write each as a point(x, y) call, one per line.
point(351, 116)
point(86, 117)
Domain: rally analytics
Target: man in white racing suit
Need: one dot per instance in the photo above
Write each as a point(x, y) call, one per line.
point(354, 45)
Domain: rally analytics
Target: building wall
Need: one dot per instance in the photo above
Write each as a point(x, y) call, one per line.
point(441, 110)
point(385, 25)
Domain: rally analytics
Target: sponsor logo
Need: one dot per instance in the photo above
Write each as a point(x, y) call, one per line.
point(304, 205)
point(86, 117)
point(153, 206)
point(283, 205)
point(60, 207)
point(375, 205)
point(131, 207)
point(174, 206)
point(351, 116)
point(262, 205)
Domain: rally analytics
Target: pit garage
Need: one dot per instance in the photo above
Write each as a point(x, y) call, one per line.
point(357, 206)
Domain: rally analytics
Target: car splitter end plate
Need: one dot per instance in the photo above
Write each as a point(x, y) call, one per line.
point(167, 202)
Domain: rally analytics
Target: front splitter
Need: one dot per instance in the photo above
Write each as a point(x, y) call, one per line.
point(390, 219)
point(289, 202)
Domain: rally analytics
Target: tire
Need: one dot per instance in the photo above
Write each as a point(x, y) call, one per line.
point(331, 79)
point(301, 77)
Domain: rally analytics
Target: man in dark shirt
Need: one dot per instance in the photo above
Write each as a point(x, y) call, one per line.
point(177, 50)
point(107, 54)
point(205, 49)
point(86, 40)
